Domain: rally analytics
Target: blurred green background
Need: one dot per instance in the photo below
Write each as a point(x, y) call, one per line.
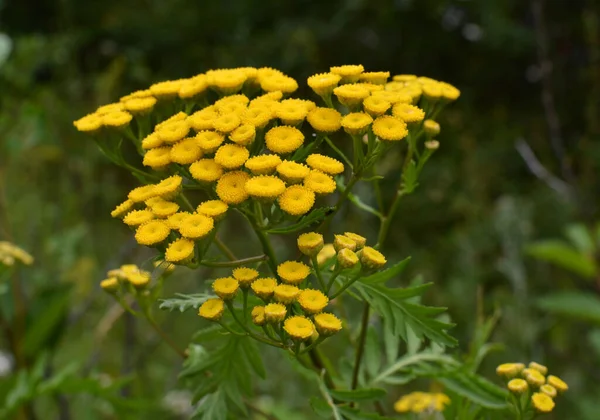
point(529, 72)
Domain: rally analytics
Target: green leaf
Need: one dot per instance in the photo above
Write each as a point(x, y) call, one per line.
point(387, 274)
point(578, 305)
point(364, 394)
point(213, 407)
point(476, 389)
point(372, 354)
point(46, 329)
point(315, 216)
point(207, 334)
point(399, 313)
point(409, 178)
point(355, 414)
point(581, 237)
point(184, 302)
point(320, 407)
point(564, 256)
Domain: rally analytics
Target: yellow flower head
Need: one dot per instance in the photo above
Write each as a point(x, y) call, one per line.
point(375, 77)
point(137, 94)
point(117, 119)
point(152, 233)
point(276, 82)
point(284, 139)
point(175, 220)
point(449, 92)
point(143, 193)
point(358, 239)
point(325, 120)
point(326, 254)
point(325, 164)
point(347, 258)
point(122, 208)
point(209, 141)
point(432, 91)
point(163, 208)
point(299, 328)
point(138, 217)
point(275, 312)
point(180, 116)
point(390, 128)
point(286, 293)
point(140, 105)
point(169, 187)
point(264, 288)
point(265, 186)
point(351, 95)
point(109, 108)
point(310, 243)
point(509, 370)
point(226, 287)
point(174, 131)
point(89, 123)
point(139, 280)
point(226, 123)
point(276, 95)
point(534, 377)
point(549, 390)
point(166, 89)
point(312, 301)
point(419, 402)
point(431, 128)
point(327, 324)
point(408, 113)
point(263, 164)
point(319, 182)
point(186, 151)
point(157, 158)
point(243, 135)
point(231, 187)
point(560, 385)
point(376, 106)
point(193, 87)
point(404, 77)
point(349, 73)
point(293, 272)
point(206, 170)
point(196, 226)
point(212, 309)
point(296, 200)
point(392, 97)
point(371, 258)
point(356, 123)
point(257, 116)
point(231, 156)
point(292, 172)
point(231, 99)
point(542, 403)
point(517, 386)
point(110, 285)
point(414, 91)
point(324, 83)
point(291, 112)
point(258, 315)
point(344, 242)
point(227, 81)
point(203, 119)
point(180, 251)
point(151, 141)
point(213, 208)
point(245, 276)
point(540, 368)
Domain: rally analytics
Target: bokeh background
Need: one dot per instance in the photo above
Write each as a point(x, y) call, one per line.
point(518, 161)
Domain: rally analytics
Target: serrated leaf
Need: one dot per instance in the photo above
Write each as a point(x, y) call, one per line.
point(578, 305)
point(364, 394)
point(387, 274)
point(409, 178)
point(564, 256)
point(315, 216)
point(213, 407)
point(184, 302)
point(476, 389)
point(207, 334)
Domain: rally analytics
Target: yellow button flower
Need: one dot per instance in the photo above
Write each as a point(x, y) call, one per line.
point(292, 172)
point(180, 116)
point(158, 157)
point(319, 182)
point(227, 81)
point(193, 87)
point(284, 139)
point(209, 141)
point(169, 187)
point(180, 251)
point(152, 232)
point(243, 135)
point(312, 301)
point(277, 82)
point(263, 164)
point(110, 285)
point(310, 243)
point(299, 328)
point(264, 288)
point(517, 386)
point(371, 258)
point(140, 194)
point(231, 156)
point(213, 208)
point(293, 272)
point(110, 108)
point(257, 116)
point(138, 217)
point(540, 368)
point(542, 403)
point(376, 106)
point(265, 186)
point(449, 92)
point(175, 220)
point(231, 187)
point(549, 390)
point(166, 89)
point(431, 128)
point(275, 312)
point(151, 141)
point(212, 309)
point(196, 226)
point(286, 293)
point(206, 170)
point(326, 254)
point(351, 95)
point(117, 119)
point(392, 97)
point(350, 73)
point(291, 112)
point(88, 124)
point(186, 151)
point(203, 119)
point(375, 77)
point(226, 123)
point(173, 131)
point(404, 77)
point(226, 287)
point(509, 370)
point(408, 113)
point(164, 208)
point(140, 105)
point(324, 83)
point(325, 120)
point(390, 128)
point(122, 208)
point(347, 258)
point(534, 377)
point(327, 324)
point(356, 123)
point(296, 200)
point(245, 276)
point(358, 239)
point(560, 385)
point(325, 164)
point(432, 91)
point(258, 315)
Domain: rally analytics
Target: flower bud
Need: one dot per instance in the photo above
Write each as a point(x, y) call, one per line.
point(258, 315)
point(347, 258)
point(286, 293)
point(110, 285)
point(432, 145)
point(431, 127)
point(361, 241)
point(212, 309)
point(275, 312)
point(371, 258)
point(327, 324)
point(341, 242)
point(549, 390)
point(226, 287)
point(540, 368)
point(325, 254)
point(517, 386)
point(310, 243)
point(509, 370)
point(560, 385)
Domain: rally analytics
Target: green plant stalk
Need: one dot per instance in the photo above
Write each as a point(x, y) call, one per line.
point(229, 304)
point(267, 247)
point(315, 264)
point(345, 286)
point(233, 263)
point(336, 273)
point(364, 324)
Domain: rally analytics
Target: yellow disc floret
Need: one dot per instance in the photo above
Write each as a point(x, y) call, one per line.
point(376, 105)
point(327, 324)
point(284, 139)
point(231, 187)
point(226, 287)
point(210, 141)
point(275, 312)
point(310, 243)
point(542, 403)
point(265, 186)
point(157, 158)
point(324, 83)
point(350, 72)
point(325, 164)
point(186, 151)
point(297, 200)
point(264, 288)
point(213, 208)
point(325, 120)
point(286, 293)
point(390, 128)
point(245, 276)
point(231, 156)
point(138, 217)
point(243, 135)
point(206, 170)
point(180, 251)
point(351, 95)
point(408, 113)
point(356, 123)
point(152, 232)
point(319, 182)
point(212, 309)
point(196, 226)
point(371, 258)
point(299, 328)
point(292, 172)
point(312, 301)
point(263, 164)
point(293, 272)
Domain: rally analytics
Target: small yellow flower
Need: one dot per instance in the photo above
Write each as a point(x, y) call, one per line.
point(276, 95)
point(549, 390)
point(257, 116)
point(213, 208)
point(164, 208)
point(326, 254)
point(276, 82)
point(206, 170)
point(275, 312)
point(312, 301)
point(432, 144)
point(166, 89)
point(152, 232)
point(432, 91)
point(344, 242)
point(137, 94)
point(117, 119)
point(347, 258)
point(431, 128)
point(371, 258)
point(560, 385)
point(180, 116)
point(180, 251)
point(193, 87)
point(212, 309)
point(360, 241)
point(140, 105)
point(122, 208)
point(203, 119)
point(138, 217)
point(243, 135)
point(299, 328)
point(109, 108)
point(231, 156)
point(534, 377)
point(376, 106)
point(375, 77)
point(286, 293)
point(449, 92)
point(264, 288)
point(404, 77)
point(169, 187)
point(293, 272)
point(310, 243)
point(327, 324)
point(291, 111)
point(151, 141)
point(296, 200)
point(227, 81)
point(209, 141)
point(542, 403)
point(392, 97)
point(186, 151)
point(324, 83)
point(350, 73)
point(325, 164)
point(284, 139)
point(231, 99)
point(245, 276)
point(196, 226)
point(356, 123)
point(226, 287)
point(110, 285)
point(414, 91)
point(263, 164)
point(389, 128)
point(231, 187)
point(89, 123)
point(540, 368)
point(226, 123)
point(517, 386)
point(319, 182)
point(351, 95)
point(265, 186)
point(292, 172)
point(140, 194)
point(258, 315)
point(158, 157)
point(325, 120)
point(173, 131)
point(175, 220)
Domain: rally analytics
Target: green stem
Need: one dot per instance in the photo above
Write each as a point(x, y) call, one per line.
point(164, 336)
point(245, 304)
point(361, 345)
point(229, 304)
point(225, 327)
point(336, 273)
point(317, 360)
point(225, 249)
point(233, 263)
point(267, 247)
point(339, 152)
point(388, 217)
point(313, 344)
point(345, 286)
point(315, 264)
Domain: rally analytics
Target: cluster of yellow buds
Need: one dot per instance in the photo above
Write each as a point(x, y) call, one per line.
point(422, 402)
point(132, 277)
point(9, 253)
point(530, 388)
point(350, 249)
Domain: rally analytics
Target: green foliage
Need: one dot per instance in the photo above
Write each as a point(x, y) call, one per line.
point(184, 302)
point(565, 256)
point(314, 217)
point(576, 305)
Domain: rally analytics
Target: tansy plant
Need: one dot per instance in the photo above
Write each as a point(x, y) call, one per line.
point(236, 140)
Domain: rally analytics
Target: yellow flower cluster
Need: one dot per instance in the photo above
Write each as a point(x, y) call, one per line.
point(349, 249)
point(420, 402)
point(126, 274)
point(9, 253)
point(540, 390)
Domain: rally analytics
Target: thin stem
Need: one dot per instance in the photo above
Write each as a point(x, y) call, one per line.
point(245, 304)
point(225, 327)
point(245, 327)
point(233, 263)
point(345, 286)
point(336, 273)
point(387, 219)
point(315, 264)
point(225, 249)
point(313, 344)
point(361, 345)
point(267, 247)
point(165, 337)
point(317, 361)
